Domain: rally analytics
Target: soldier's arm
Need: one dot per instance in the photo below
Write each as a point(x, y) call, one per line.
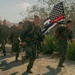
point(42, 38)
point(22, 36)
point(71, 36)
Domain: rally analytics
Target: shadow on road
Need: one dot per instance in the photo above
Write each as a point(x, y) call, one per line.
point(25, 73)
point(52, 71)
point(14, 73)
point(5, 66)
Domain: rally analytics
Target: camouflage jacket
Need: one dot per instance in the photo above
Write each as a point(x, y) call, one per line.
point(14, 35)
point(63, 33)
point(31, 34)
point(38, 34)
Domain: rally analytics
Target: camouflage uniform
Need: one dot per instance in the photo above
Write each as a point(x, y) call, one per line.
point(4, 31)
point(30, 36)
point(63, 34)
point(13, 37)
point(39, 39)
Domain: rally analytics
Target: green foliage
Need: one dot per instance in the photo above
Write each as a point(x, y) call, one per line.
point(71, 51)
point(50, 45)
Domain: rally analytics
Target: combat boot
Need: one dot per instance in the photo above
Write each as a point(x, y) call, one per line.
point(61, 66)
point(29, 71)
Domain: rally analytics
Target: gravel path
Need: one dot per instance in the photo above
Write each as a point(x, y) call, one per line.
point(43, 66)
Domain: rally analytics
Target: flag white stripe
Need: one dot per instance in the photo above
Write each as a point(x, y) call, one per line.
point(47, 21)
point(50, 27)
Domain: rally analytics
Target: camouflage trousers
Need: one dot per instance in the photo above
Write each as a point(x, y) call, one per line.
point(62, 50)
point(15, 48)
point(31, 54)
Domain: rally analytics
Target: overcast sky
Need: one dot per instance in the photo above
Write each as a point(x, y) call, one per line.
point(10, 9)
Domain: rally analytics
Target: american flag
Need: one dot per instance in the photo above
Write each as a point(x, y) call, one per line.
point(56, 15)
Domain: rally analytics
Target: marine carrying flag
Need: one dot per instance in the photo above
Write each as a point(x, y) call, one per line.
point(56, 15)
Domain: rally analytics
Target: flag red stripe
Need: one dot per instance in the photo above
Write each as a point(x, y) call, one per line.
point(59, 18)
